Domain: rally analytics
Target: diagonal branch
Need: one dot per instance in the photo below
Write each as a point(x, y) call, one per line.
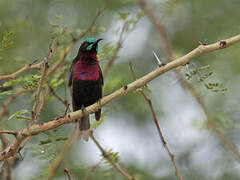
point(3, 110)
point(57, 161)
point(159, 26)
point(39, 65)
point(110, 160)
point(164, 142)
point(167, 48)
point(139, 83)
point(23, 69)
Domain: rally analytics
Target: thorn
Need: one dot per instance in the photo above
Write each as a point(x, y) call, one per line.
point(158, 60)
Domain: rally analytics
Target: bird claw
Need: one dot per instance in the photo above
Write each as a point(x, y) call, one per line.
point(99, 103)
point(83, 110)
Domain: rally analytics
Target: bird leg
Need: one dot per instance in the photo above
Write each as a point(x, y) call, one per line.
point(83, 110)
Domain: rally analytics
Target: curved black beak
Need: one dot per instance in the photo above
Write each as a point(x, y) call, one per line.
point(94, 46)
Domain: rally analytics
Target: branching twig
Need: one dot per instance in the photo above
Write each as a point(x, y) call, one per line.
point(91, 170)
point(139, 83)
point(9, 132)
point(4, 111)
point(40, 83)
point(164, 142)
point(70, 140)
point(64, 102)
point(106, 156)
point(74, 41)
point(7, 164)
point(57, 161)
point(26, 67)
point(39, 65)
point(167, 47)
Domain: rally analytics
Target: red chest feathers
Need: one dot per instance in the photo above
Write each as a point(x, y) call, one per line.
point(86, 71)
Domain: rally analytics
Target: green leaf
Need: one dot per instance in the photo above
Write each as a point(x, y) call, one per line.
point(5, 93)
point(113, 155)
point(43, 142)
point(122, 16)
point(8, 39)
point(18, 115)
point(61, 139)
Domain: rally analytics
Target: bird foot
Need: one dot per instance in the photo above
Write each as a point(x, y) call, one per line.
point(83, 110)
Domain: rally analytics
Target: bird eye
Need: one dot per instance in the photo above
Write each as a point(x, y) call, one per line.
point(86, 44)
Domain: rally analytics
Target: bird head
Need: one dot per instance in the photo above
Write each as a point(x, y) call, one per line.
point(90, 45)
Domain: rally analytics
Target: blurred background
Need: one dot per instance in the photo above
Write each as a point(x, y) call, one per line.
point(127, 128)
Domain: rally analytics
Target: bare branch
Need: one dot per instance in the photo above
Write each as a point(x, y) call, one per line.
point(91, 170)
point(57, 161)
point(106, 156)
point(4, 111)
point(160, 27)
point(75, 40)
point(167, 47)
point(39, 65)
point(164, 142)
point(64, 102)
point(9, 132)
point(26, 67)
point(141, 82)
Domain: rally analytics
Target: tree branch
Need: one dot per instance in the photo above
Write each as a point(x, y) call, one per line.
point(57, 161)
point(91, 170)
point(164, 142)
point(23, 69)
point(4, 111)
point(167, 48)
point(139, 83)
point(106, 156)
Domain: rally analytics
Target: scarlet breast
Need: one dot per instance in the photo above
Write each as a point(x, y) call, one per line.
point(83, 71)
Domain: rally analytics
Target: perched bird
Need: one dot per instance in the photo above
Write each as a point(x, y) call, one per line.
point(86, 82)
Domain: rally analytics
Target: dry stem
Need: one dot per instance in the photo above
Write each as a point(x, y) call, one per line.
point(139, 83)
point(106, 156)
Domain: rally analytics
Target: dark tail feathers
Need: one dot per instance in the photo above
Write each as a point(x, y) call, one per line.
point(84, 126)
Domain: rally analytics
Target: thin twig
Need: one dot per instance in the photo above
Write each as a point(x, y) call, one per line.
point(57, 161)
point(4, 111)
point(91, 170)
point(8, 163)
point(164, 142)
point(44, 96)
point(115, 53)
point(70, 140)
point(40, 83)
point(107, 157)
point(160, 27)
point(68, 173)
point(23, 69)
point(9, 132)
point(167, 47)
point(139, 83)
point(64, 102)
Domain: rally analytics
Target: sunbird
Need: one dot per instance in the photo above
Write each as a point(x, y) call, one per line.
point(86, 82)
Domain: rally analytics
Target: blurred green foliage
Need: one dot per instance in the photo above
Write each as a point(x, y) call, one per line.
point(27, 29)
